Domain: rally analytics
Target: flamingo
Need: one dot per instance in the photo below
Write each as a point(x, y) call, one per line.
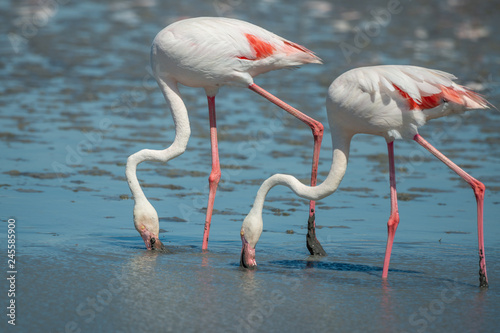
point(209, 52)
point(392, 102)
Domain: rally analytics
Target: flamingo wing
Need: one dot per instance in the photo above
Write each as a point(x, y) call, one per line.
point(216, 38)
point(394, 100)
point(421, 88)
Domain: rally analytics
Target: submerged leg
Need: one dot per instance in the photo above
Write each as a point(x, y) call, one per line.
point(214, 178)
point(393, 222)
point(313, 245)
point(479, 189)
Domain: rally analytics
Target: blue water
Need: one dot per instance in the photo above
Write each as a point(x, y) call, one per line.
point(77, 99)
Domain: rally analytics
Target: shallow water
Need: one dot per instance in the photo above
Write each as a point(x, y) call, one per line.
point(77, 99)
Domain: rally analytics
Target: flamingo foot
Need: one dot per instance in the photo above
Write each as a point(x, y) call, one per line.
point(483, 279)
point(312, 243)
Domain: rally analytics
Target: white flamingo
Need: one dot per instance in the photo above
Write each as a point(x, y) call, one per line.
point(389, 101)
point(210, 52)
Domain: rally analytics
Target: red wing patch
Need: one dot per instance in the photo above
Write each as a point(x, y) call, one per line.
point(261, 48)
point(428, 102)
point(452, 95)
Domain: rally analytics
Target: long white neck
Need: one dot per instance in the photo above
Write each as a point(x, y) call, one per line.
point(341, 143)
point(182, 133)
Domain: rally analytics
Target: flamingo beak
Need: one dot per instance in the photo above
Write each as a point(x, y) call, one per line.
point(247, 259)
point(151, 241)
point(156, 244)
point(146, 237)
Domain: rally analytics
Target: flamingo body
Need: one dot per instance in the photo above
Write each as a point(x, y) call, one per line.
point(388, 101)
point(208, 52)
point(393, 101)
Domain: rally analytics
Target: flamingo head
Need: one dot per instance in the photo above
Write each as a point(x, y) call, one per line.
point(146, 222)
point(250, 234)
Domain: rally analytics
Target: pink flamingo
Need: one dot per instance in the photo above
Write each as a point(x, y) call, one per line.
point(390, 101)
point(210, 52)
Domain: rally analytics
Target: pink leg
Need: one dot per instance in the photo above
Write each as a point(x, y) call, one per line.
point(393, 222)
point(214, 177)
point(313, 244)
point(479, 189)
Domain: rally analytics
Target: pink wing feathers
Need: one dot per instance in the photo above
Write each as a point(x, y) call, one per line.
point(215, 51)
point(395, 100)
point(276, 46)
point(426, 88)
point(456, 94)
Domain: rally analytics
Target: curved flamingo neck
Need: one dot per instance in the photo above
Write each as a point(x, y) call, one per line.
point(131, 174)
point(182, 133)
point(341, 144)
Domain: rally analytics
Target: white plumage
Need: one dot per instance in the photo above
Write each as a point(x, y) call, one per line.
point(372, 100)
point(209, 52)
point(215, 51)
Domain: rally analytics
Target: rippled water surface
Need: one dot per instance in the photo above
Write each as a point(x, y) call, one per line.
point(77, 99)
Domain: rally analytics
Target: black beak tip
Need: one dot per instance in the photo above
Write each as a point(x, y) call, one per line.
point(156, 245)
point(242, 262)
